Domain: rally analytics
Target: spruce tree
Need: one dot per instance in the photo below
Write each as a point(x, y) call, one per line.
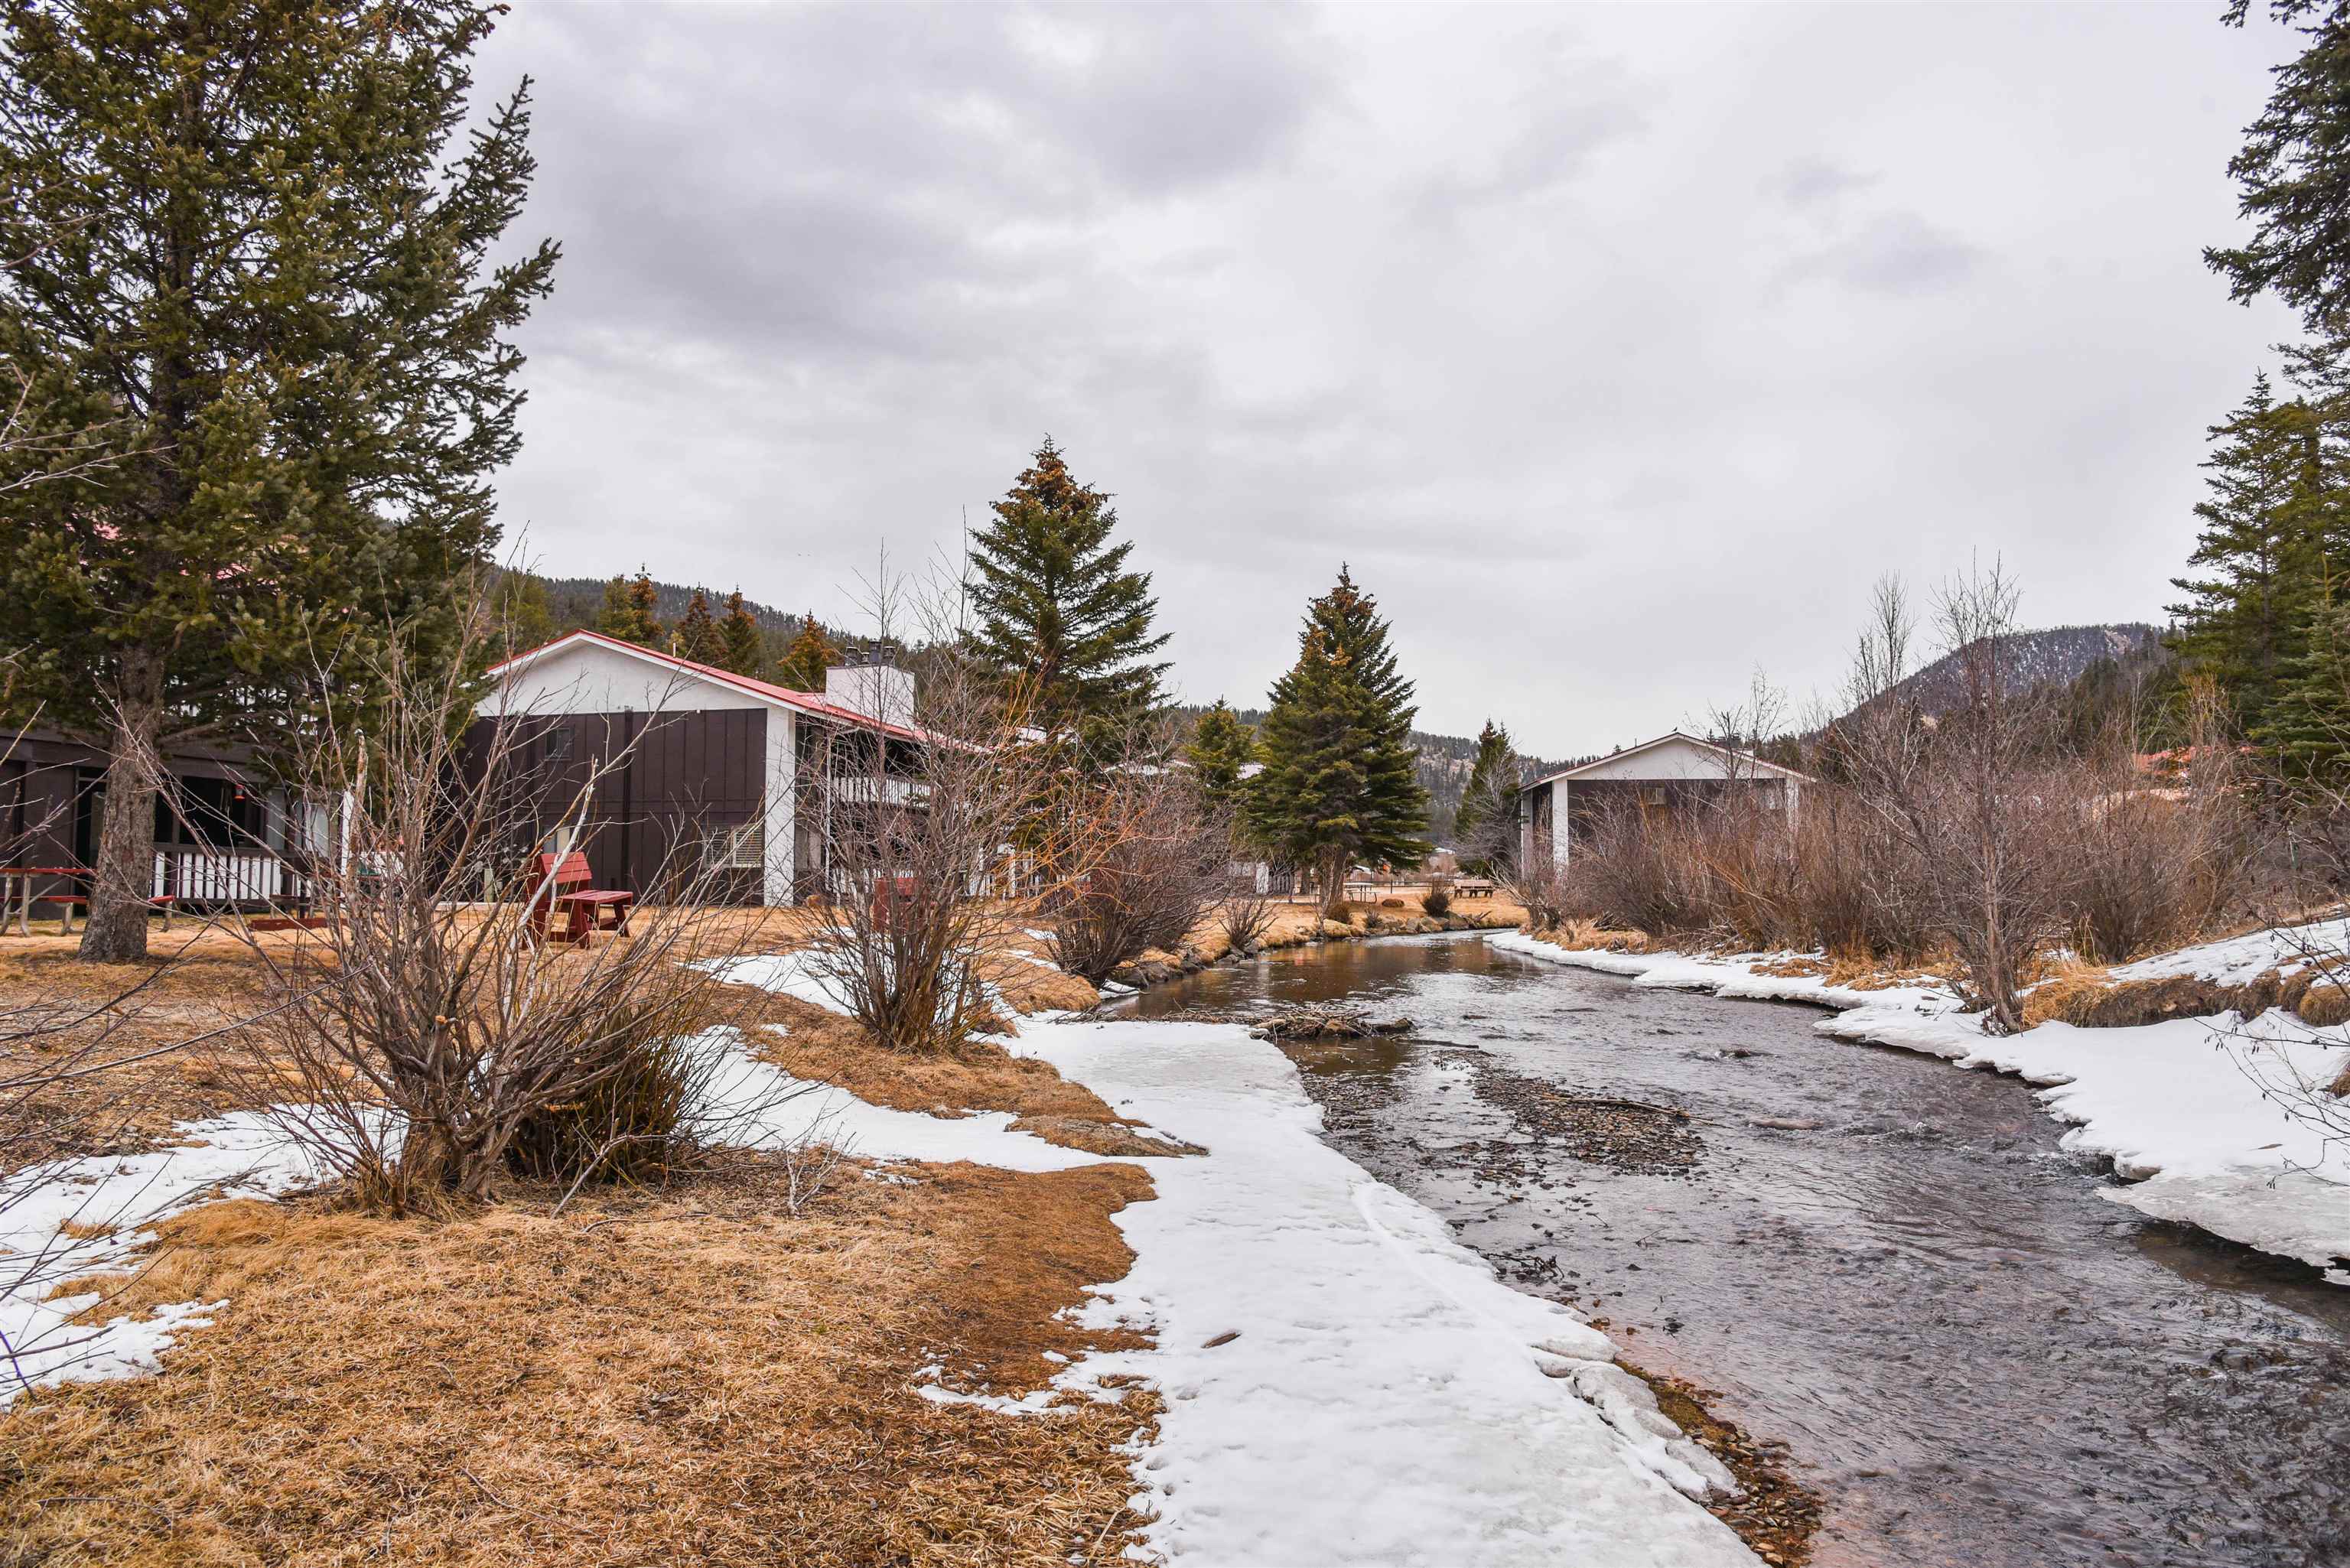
point(809, 656)
point(2294, 181)
point(266, 362)
point(745, 649)
point(2240, 623)
point(524, 617)
point(1220, 751)
point(1061, 619)
point(1339, 784)
point(697, 636)
point(630, 611)
point(1485, 829)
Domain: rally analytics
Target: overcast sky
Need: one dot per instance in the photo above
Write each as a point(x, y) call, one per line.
point(1619, 348)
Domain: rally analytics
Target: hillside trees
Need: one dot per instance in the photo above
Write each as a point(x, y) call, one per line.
point(630, 611)
point(743, 647)
point(246, 270)
point(1057, 612)
point(1338, 783)
point(812, 653)
point(1485, 829)
point(697, 636)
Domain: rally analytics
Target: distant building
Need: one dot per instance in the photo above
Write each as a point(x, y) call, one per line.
point(1673, 773)
point(751, 771)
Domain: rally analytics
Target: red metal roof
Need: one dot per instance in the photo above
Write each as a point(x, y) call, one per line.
point(807, 702)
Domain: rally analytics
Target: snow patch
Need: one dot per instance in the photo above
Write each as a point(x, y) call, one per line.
point(109, 1202)
point(1344, 1382)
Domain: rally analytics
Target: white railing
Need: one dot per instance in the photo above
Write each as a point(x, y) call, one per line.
point(192, 874)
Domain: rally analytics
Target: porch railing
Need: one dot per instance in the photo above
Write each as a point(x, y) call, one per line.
point(193, 874)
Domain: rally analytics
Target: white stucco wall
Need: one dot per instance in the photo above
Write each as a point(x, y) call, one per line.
point(588, 677)
point(782, 802)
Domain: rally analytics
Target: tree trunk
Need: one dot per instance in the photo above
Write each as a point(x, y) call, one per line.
point(1333, 875)
point(117, 932)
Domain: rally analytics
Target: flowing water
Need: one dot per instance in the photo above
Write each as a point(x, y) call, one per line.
point(1970, 1355)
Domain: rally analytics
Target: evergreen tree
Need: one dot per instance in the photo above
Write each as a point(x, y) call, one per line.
point(1485, 829)
point(524, 617)
point(1339, 784)
point(2273, 550)
point(1059, 614)
point(745, 649)
point(697, 636)
point(630, 611)
point(249, 303)
point(809, 656)
point(1220, 751)
point(2294, 183)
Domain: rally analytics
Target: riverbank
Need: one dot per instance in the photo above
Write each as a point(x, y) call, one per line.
point(2216, 1121)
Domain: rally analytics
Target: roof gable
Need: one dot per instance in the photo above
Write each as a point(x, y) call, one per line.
point(1628, 763)
point(767, 692)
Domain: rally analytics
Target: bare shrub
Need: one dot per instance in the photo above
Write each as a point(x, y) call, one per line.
point(427, 1042)
point(1247, 911)
point(1137, 856)
point(1438, 899)
point(2154, 861)
point(1539, 886)
point(926, 828)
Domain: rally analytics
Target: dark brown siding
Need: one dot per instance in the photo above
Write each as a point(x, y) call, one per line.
point(676, 784)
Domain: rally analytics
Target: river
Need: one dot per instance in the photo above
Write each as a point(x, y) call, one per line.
point(1970, 1356)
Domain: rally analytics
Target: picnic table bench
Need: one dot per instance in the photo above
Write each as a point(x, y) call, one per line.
point(1474, 888)
point(17, 888)
point(562, 886)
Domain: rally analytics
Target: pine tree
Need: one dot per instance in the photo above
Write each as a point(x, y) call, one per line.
point(1339, 784)
point(2294, 182)
point(1220, 751)
point(697, 636)
point(1485, 829)
point(2274, 549)
point(524, 617)
point(630, 611)
point(809, 656)
point(2244, 619)
point(745, 649)
point(249, 296)
point(1059, 614)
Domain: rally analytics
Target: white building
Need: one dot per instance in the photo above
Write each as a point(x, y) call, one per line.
point(736, 763)
point(1672, 773)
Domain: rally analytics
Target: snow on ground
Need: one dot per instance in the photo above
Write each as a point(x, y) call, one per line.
point(2238, 961)
point(787, 974)
point(757, 1105)
point(1372, 1394)
point(71, 1220)
point(2193, 1112)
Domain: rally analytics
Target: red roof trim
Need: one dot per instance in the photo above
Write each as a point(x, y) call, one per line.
point(805, 701)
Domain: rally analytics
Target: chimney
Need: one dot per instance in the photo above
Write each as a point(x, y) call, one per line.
point(876, 690)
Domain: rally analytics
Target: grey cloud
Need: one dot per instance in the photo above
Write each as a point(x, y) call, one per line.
point(1573, 336)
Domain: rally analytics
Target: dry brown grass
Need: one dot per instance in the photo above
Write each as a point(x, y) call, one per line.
point(685, 1377)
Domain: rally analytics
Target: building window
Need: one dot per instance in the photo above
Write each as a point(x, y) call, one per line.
point(559, 744)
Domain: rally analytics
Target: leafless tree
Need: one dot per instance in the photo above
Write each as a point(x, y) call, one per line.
point(922, 824)
point(1968, 789)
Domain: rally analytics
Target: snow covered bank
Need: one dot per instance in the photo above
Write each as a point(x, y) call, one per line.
point(2191, 1111)
point(1344, 1382)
